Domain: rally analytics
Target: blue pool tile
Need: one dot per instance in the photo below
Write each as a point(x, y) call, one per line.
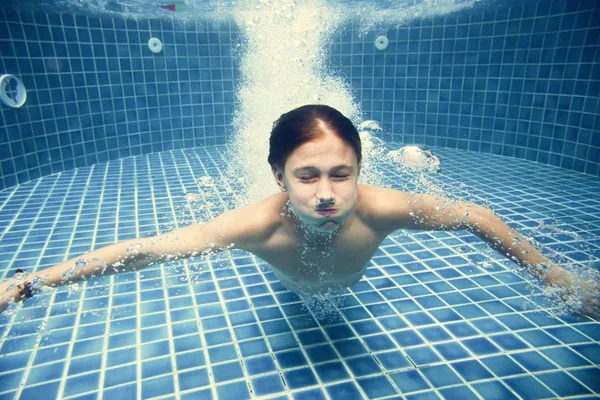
point(227, 371)
point(247, 332)
point(11, 380)
point(451, 351)
point(406, 338)
point(419, 318)
point(81, 384)
point(480, 346)
point(538, 338)
point(515, 322)
point(440, 375)
point(353, 314)
point(349, 348)
point(270, 313)
point(461, 329)
point(592, 330)
point(283, 342)
point(393, 360)
point(118, 376)
point(589, 351)
point(509, 342)
point(217, 337)
point(45, 373)
point(562, 384)
point(533, 361)
point(156, 367)
point(253, 347)
point(528, 387)
point(365, 365)
point(380, 310)
point(344, 391)
point(471, 370)
point(564, 357)
point(299, 378)
point(434, 334)
point(589, 377)
point(321, 353)
point(379, 342)
point(392, 323)
point(458, 392)
point(85, 364)
point(233, 391)
point(422, 355)
point(430, 395)
point(275, 327)
point(445, 315)
point(377, 387)
point(222, 353)
point(187, 343)
point(366, 327)
point(47, 390)
point(406, 306)
point(314, 336)
point(494, 390)
point(158, 386)
point(122, 392)
point(290, 359)
point(502, 365)
point(312, 394)
point(266, 385)
point(567, 335)
point(190, 360)
point(204, 394)
point(339, 332)
point(332, 371)
point(193, 379)
point(409, 381)
point(260, 365)
point(488, 325)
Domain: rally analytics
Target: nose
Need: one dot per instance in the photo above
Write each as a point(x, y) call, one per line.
point(324, 191)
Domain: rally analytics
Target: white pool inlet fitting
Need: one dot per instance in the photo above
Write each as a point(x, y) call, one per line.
point(12, 91)
point(381, 42)
point(155, 45)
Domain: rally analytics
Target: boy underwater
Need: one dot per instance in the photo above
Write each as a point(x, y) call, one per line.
point(320, 232)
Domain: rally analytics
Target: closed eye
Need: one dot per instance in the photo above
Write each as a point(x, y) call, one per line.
point(312, 178)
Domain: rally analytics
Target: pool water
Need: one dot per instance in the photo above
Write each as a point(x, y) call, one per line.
point(436, 314)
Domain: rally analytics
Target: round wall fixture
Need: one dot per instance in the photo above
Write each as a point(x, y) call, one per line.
point(381, 42)
point(12, 91)
point(155, 45)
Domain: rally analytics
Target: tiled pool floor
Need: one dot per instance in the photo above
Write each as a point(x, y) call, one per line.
point(436, 315)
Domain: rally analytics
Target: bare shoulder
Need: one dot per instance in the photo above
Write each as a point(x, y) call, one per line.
point(383, 209)
point(247, 228)
point(257, 221)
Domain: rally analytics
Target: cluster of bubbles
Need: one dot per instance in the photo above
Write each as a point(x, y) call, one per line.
point(283, 66)
point(584, 272)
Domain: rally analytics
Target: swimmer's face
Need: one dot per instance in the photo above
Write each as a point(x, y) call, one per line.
point(324, 168)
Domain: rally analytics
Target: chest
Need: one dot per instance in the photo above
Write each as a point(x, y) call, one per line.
point(342, 262)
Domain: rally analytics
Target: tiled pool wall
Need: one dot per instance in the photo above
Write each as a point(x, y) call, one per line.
point(521, 81)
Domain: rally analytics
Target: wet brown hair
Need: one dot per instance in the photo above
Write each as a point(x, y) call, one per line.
point(304, 124)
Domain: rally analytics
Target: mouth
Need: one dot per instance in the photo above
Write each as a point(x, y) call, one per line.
point(328, 211)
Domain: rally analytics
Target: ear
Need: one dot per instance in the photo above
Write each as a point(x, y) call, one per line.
point(359, 164)
point(278, 174)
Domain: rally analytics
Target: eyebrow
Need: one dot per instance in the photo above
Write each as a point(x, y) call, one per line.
point(313, 169)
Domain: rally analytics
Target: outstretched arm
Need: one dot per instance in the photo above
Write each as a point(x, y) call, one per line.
point(421, 211)
point(241, 228)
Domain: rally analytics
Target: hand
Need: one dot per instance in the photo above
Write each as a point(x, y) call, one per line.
point(9, 296)
point(576, 291)
point(590, 296)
